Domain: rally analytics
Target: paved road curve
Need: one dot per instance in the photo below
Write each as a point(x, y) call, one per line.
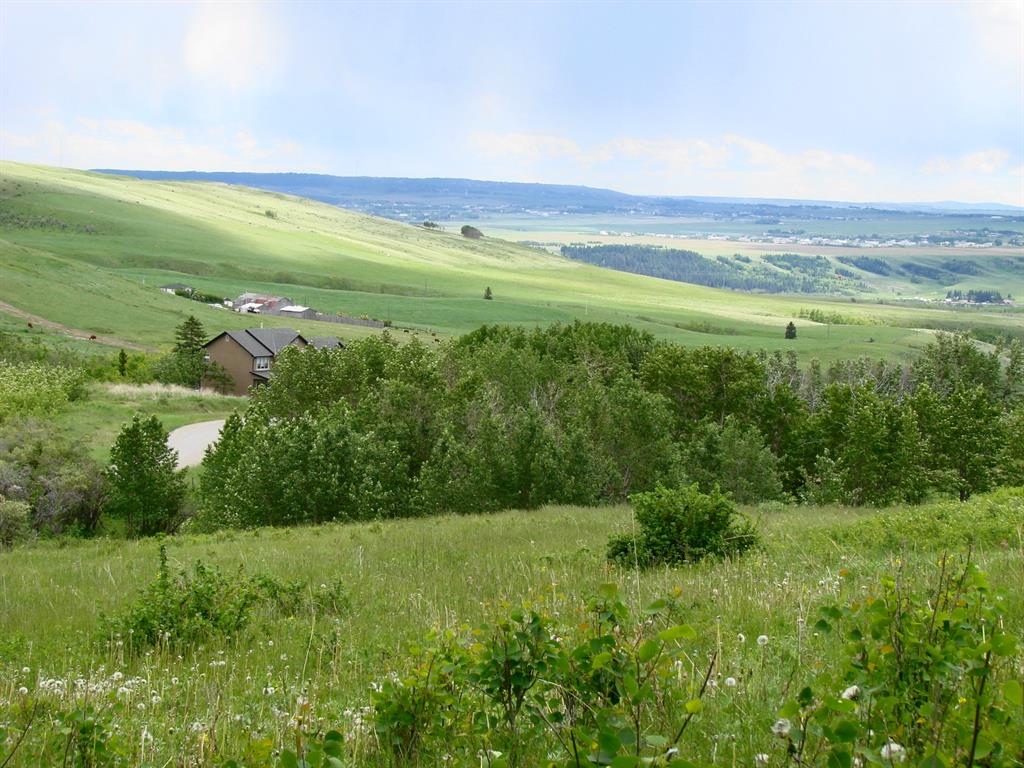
point(191, 440)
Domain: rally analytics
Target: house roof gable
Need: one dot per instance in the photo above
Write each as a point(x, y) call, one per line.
point(261, 342)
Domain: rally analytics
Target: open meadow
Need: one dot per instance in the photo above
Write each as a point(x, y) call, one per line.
point(374, 591)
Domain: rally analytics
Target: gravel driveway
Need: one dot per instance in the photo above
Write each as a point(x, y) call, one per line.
point(191, 440)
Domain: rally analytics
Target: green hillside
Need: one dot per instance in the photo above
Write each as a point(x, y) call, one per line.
point(87, 251)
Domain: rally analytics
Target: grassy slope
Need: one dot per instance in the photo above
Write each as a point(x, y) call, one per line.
point(219, 238)
point(406, 577)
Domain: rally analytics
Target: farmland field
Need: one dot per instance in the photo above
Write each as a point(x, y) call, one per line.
point(86, 251)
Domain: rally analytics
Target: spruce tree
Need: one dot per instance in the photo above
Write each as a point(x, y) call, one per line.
point(189, 337)
point(790, 330)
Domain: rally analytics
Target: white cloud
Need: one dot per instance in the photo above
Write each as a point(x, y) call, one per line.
point(733, 165)
point(110, 143)
point(998, 27)
point(673, 166)
point(760, 154)
point(937, 165)
point(672, 154)
point(237, 45)
point(987, 161)
point(530, 147)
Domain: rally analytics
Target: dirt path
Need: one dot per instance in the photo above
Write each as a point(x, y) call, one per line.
point(191, 441)
point(42, 322)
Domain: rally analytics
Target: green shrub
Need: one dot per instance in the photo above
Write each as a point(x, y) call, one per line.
point(178, 609)
point(682, 525)
point(37, 389)
point(607, 692)
point(62, 485)
point(14, 516)
point(929, 677)
point(987, 520)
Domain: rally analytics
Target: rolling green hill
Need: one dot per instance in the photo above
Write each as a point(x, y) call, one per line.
point(86, 251)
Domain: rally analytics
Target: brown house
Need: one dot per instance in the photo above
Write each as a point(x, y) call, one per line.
point(248, 355)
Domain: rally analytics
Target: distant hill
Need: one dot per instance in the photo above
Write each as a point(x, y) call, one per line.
point(88, 252)
point(451, 199)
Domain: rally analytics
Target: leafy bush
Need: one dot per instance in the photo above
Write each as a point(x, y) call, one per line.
point(178, 609)
point(611, 695)
point(62, 485)
point(682, 525)
point(28, 389)
point(14, 517)
point(987, 520)
point(928, 678)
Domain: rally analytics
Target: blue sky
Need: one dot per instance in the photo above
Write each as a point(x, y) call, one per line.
point(911, 101)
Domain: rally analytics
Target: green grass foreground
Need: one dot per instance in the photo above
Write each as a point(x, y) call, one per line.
point(222, 699)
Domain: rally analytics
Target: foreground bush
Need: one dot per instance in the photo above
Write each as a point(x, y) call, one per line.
point(930, 678)
point(505, 692)
point(28, 389)
point(681, 525)
point(180, 609)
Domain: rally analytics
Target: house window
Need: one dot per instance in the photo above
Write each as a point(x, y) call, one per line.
point(262, 364)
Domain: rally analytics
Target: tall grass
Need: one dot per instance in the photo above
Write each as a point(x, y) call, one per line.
point(404, 578)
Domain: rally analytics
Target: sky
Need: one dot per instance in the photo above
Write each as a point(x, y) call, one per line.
point(861, 101)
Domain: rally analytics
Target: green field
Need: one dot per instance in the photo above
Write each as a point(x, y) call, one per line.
point(403, 578)
point(87, 250)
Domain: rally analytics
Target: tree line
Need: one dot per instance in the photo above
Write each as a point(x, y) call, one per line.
point(591, 413)
point(794, 273)
point(506, 418)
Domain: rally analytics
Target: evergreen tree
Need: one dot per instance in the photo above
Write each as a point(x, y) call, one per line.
point(487, 293)
point(186, 365)
point(146, 490)
point(189, 337)
point(790, 330)
point(122, 363)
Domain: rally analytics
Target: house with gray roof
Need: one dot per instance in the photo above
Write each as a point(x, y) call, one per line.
point(248, 356)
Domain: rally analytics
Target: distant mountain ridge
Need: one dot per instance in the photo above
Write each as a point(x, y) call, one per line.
point(450, 198)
